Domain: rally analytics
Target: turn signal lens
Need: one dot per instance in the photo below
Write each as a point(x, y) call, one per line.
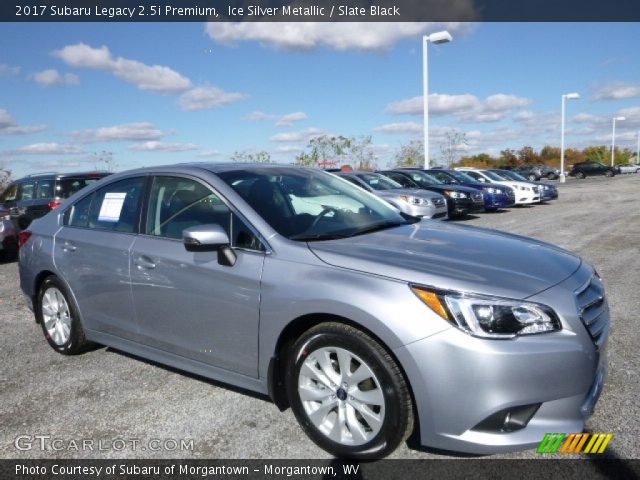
point(433, 301)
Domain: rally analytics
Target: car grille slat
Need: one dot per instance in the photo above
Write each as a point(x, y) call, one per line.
point(592, 309)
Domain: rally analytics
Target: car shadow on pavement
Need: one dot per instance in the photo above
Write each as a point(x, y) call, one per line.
point(193, 376)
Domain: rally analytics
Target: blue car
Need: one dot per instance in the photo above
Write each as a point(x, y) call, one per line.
point(495, 196)
point(548, 191)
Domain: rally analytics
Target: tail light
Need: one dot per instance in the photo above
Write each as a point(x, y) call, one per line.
point(54, 204)
point(23, 237)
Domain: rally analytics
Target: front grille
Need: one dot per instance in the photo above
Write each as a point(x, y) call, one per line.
point(438, 201)
point(593, 310)
point(511, 194)
point(535, 189)
point(477, 197)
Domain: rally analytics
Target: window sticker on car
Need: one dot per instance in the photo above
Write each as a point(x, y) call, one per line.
point(111, 207)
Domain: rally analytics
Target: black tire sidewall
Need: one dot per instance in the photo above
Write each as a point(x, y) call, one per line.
point(380, 445)
point(76, 336)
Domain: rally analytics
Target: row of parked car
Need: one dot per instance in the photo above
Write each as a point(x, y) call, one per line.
point(442, 193)
point(34, 196)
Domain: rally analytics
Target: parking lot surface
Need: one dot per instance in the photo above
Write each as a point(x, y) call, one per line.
point(107, 404)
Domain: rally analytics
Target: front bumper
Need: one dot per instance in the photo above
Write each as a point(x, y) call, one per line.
point(495, 200)
point(460, 381)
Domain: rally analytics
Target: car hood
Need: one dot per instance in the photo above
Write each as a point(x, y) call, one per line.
point(454, 257)
point(416, 192)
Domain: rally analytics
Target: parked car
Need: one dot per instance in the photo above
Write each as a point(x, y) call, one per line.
point(526, 193)
point(460, 200)
point(8, 235)
point(586, 169)
point(547, 191)
point(33, 196)
point(628, 168)
point(495, 197)
point(534, 173)
point(291, 282)
point(411, 201)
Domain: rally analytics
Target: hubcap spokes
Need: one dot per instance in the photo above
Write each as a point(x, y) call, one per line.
point(56, 316)
point(341, 396)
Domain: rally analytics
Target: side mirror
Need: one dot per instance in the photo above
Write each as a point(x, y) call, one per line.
point(209, 238)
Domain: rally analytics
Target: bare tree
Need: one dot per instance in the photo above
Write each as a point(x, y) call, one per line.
point(247, 157)
point(104, 160)
point(5, 178)
point(410, 155)
point(452, 145)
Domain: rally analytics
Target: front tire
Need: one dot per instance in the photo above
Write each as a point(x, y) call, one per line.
point(580, 175)
point(58, 315)
point(348, 393)
point(609, 173)
point(532, 178)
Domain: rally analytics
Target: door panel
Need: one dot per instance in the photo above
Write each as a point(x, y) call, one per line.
point(188, 304)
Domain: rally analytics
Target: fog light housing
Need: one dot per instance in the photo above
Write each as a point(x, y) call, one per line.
point(508, 420)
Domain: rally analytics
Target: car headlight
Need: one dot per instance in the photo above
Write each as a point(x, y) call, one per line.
point(410, 199)
point(492, 190)
point(490, 317)
point(452, 194)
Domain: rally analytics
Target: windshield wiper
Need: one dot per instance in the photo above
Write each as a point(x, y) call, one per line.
point(318, 236)
point(378, 226)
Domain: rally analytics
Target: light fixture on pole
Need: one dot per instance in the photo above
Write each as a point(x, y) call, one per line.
point(567, 96)
point(613, 137)
point(438, 37)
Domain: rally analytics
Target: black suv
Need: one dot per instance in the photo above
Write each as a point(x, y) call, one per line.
point(584, 169)
point(36, 195)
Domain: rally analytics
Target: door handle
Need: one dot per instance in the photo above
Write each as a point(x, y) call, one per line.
point(143, 262)
point(69, 247)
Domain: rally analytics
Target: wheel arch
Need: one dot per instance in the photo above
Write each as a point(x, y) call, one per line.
point(37, 283)
point(292, 331)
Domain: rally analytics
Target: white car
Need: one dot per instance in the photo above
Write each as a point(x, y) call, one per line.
point(629, 168)
point(526, 193)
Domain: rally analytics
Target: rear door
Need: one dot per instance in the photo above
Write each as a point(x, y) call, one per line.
point(91, 251)
point(187, 303)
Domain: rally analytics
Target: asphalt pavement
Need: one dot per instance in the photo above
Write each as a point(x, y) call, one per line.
point(107, 404)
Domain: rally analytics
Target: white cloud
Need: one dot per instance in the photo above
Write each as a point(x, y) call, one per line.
point(287, 149)
point(8, 70)
point(49, 149)
point(8, 125)
point(52, 78)
point(207, 97)
point(156, 78)
point(372, 36)
point(617, 91)
point(301, 136)
point(286, 120)
point(290, 118)
point(127, 131)
point(209, 153)
point(467, 107)
point(155, 146)
point(401, 128)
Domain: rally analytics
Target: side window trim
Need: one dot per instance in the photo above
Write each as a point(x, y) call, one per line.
point(233, 210)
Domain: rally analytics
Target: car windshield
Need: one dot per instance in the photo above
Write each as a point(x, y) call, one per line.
point(501, 174)
point(443, 177)
point(493, 176)
point(378, 182)
point(511, 175)
point(423, 179)
point(462, 177)
point(306, 204)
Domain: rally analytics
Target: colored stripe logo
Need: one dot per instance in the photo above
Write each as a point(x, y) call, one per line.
point(573, 443)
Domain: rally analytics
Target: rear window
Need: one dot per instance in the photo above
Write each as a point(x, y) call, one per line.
point(69, 185)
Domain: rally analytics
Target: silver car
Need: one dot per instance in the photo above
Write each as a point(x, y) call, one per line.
point(293, 283)
point(415, 202)
point(8, 235)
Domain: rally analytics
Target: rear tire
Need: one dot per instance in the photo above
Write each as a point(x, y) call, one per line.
point(348, 393)
point(580, 175)
point(58, 316)
point(609, 173)
point(532, 178)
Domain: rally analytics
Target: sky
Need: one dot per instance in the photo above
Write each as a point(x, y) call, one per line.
point(74, 94)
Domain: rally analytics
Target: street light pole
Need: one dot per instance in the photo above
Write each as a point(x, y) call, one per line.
point(613, 137)
point(570, 96)
point(438, 37)
point(638, 150)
